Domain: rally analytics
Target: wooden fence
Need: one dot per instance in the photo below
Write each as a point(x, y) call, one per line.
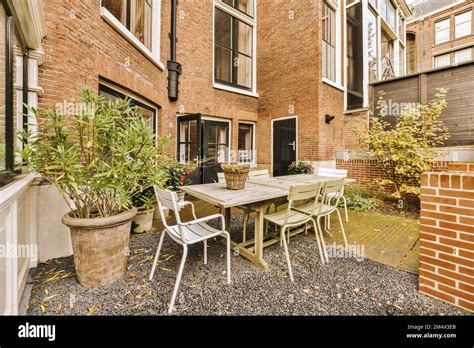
point(420, 88)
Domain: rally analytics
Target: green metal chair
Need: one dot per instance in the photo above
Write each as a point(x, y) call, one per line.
point(291, 218)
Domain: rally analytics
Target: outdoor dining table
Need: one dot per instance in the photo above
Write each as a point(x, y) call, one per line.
point(258, 195)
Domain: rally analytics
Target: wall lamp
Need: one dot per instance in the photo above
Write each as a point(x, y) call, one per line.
point(329, 119)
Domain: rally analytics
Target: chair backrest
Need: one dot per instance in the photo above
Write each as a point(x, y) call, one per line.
point(220, 178)
point(332, 173)
point(304, 193)
point(332, 192)
point(167, 199)
point(259, 174)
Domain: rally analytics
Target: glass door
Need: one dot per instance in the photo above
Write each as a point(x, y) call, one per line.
point(215, 148)
point(189, 143)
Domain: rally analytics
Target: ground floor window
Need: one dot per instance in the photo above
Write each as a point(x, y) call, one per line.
point(13, 93)
point(147, 109)
point(246, 150)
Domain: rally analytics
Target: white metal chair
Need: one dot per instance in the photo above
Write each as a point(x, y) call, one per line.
point(329, 204)
point(336, 173)
point(291, 218)
point(186, 233)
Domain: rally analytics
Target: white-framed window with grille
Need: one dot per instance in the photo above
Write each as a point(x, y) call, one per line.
point(462, 56)
point(442, 60)
point(463, 24)
point(331, 42)
point(442, 31)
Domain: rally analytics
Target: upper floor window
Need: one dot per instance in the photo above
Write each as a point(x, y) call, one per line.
point(234, 51)
point(329, 60)
point(135, 15)
point(443, 60)
point(463, 24)
point(442, 31)
point(462, 56)
point(388, 12)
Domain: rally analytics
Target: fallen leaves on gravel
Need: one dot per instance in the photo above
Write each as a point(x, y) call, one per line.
point(91, 310)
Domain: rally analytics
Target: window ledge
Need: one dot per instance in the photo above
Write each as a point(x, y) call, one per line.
point(122, 30)
point(356, 111)
point(235, 90)
point(333, 84)
point(14, 188)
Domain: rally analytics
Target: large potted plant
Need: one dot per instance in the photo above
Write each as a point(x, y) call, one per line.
point(98, 158)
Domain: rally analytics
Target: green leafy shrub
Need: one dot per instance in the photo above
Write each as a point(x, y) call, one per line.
point(358, 200)
point(301, 167)
point(100, 158)
point(179, 175)
point(408, 149)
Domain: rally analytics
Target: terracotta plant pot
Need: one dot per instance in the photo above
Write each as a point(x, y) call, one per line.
point(143, 221)
point(181, 196)
point(100, 247)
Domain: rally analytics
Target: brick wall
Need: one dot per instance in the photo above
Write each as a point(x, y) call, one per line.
point(365, 171)
point(447, 235)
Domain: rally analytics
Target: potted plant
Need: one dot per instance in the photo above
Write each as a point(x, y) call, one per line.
point(179, 176)
point(145, 202)
point(236, 175)
point(98, 158)
point(301, 167)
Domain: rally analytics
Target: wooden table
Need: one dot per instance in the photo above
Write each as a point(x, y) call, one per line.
point(258, 195)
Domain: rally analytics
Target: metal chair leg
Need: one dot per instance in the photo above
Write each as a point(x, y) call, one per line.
point(157, 256)
point(345, 208)
point(287, 254)
point(342, 228)
point(178, 280)
point(227, 235)
point(318, 240)
point(205, 252)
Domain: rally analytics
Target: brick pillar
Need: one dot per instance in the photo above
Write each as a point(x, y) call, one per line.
point(447, 235)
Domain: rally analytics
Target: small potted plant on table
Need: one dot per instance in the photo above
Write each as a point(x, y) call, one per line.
point(98, 158)
point(236, 175)
point(179, 176)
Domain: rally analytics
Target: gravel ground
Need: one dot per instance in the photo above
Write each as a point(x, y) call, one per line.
point(342, 287)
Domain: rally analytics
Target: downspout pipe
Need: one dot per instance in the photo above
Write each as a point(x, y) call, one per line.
point(174, 68)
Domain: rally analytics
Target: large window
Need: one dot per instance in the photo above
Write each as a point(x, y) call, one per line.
point(463, 24)
point(148, 110)
point(443, 60)
point(246, 143)
point(355, 58)
point(135, 15)
point(233, 43)
point(372, 49)
point(388, 12)
point(13, 91)
point(329, 42)
point(462, 56)
point(442, 31)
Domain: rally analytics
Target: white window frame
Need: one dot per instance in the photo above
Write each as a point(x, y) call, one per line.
point(448, 21)
point(456, 59)
point(254, 141)
point(219, 4)
point(436, 65)
point(153, 54)
point(456, 24)
point(338, 59)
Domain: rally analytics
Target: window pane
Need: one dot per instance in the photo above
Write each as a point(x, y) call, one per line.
point(391, 15)
point(442, 31)
point(246, 6)
point(246, 148)
point(463, 56)
point(223, 28)
point(401, 62)
point(244, 38)
point(244, 71)
point(3, 20)
point(329, 42)
point(372, 51)
point(141, 21)
point(223, 64)
point(355, 68)
point(463, 24)
point(117, 8)
point(388, 57)
point(443, 60)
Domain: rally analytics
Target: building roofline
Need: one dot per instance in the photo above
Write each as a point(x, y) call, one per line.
point(423, 17)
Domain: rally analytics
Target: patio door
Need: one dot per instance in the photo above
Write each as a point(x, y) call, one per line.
point(284, 145)
point(203, 140)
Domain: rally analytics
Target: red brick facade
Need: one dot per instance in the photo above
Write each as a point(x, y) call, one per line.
point(447, 235)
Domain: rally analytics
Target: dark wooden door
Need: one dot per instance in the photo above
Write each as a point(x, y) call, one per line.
point(215, 148)
point(284, 145)
point(190, 143)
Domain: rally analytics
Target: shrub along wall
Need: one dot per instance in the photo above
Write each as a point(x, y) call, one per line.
point(447, 235)
point(365, 171)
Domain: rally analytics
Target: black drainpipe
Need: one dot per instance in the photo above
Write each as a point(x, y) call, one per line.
point(174, 68)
